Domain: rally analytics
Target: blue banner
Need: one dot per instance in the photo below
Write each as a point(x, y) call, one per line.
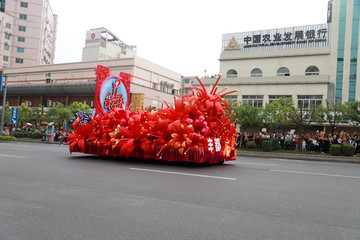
point(14, 115)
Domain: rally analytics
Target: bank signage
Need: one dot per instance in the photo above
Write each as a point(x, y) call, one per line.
point(282, 38)
point(93, 38)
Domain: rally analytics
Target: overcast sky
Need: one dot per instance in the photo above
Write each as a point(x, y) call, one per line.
point(184, 36)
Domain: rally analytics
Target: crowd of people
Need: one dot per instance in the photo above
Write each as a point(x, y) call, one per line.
point(315, 142)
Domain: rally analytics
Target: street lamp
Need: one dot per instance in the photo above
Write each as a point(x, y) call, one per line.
point(4, 100)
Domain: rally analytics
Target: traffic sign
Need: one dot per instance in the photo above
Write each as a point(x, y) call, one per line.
point(14, 115)
point(1, 77)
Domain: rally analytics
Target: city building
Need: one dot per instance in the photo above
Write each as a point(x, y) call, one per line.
point(27, 33)
point(50, 85)
point(308, 63)
point(101, 44)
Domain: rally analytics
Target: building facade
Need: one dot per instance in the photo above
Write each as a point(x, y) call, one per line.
point(101, 44)
point(27, 33)
point(50, 85)
point(308, 63)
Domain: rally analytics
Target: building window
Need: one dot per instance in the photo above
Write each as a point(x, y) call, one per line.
point(20, 50)
point(23, 16)
point(276, 97)
point(306, 101)
point(253, 100)
point(7, 36)
point(154, 85)
point(283, 72)
point(231, 74)
point(6, 58)
point(22, 28)
point(21, 39)
point(24, 4)
point(19, 60)
point(312, 70)
point(6, 47)
point(8, 25)
point(256, 73)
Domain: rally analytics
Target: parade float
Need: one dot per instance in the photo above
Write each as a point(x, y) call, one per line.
point(195, 128)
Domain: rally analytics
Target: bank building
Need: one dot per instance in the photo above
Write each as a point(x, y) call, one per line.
point(308, 63)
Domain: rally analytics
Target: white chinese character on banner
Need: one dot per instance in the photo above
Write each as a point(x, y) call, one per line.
point(210, 145)
point(217, 144)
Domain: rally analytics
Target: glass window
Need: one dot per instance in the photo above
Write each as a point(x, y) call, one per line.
point(23, 16)
point(276, 97)
point(283, 72)
point(6, 58)
point(21, 50)
point(21, 39)
point(307, 101)
point(19, 60)
point(22, 29)
point(256, 73)
point(6, 47)
point(24, 4)
point(231, 73)
point(253, 100)
point(7, 36)
point(8, 25)
point(312, 70)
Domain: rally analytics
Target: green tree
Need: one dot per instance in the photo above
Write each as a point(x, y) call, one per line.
point(7, 114)
point(25, 114)
point(331, 113)
point(39, 115)
point(248, 116)
point(301, 118)
point(276, 113)
point(79, 107)
point(58, 114)
point(351, 111)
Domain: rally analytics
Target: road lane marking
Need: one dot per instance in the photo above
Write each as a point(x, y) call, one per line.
point(184, 174)
point(19, 149)
point(12, 156)
point(258, 164)
point(315, 173)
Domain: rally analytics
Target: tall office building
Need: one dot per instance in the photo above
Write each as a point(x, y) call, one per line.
point(27, 33)
point(345, 49)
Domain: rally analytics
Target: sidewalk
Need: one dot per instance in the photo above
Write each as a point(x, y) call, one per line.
point(294, 156)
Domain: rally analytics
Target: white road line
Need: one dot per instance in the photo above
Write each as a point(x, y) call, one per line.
point(19, 149)
point(184, 174)
point(315, 173)
point(12, 156)
point(258, 164)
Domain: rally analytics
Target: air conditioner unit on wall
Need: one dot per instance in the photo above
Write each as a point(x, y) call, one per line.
point(28, 103)
point(53, 80)
point(49, 103)
point(91, 104)
point(7, 103)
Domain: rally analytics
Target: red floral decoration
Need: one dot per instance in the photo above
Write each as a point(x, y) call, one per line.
point(197, 128)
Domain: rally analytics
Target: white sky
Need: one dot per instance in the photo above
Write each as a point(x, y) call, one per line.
point(184, 36)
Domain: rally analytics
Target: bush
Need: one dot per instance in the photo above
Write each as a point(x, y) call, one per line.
point(336, 149)
point(250, 145)
point(348, 149)
point(266, 146)
point(35, 135)
point(7, 138)
point(275, 143)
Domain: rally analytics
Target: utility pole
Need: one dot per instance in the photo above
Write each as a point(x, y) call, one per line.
point(4, 102)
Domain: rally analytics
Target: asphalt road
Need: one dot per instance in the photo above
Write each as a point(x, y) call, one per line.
point(46, 193)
